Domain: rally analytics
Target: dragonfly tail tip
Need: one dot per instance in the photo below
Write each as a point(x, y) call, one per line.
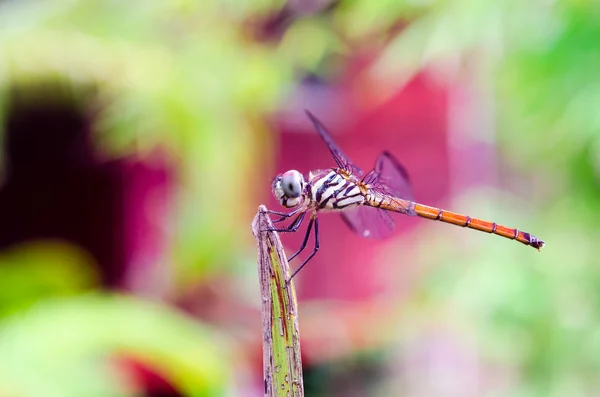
point(541, 245)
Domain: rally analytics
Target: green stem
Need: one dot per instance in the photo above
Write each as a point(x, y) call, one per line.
point(282, 363)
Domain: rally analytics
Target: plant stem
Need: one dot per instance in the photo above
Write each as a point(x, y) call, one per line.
point(282, 363)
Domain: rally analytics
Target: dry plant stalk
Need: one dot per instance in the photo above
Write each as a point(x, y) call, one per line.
point(282, 364)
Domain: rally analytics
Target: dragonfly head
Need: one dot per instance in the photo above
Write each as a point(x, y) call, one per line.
point(288, 188)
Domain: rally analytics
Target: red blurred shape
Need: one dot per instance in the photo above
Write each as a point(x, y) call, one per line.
point(411, 124)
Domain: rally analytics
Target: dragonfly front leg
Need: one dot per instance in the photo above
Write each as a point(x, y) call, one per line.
point(313, 217)
point(283, 215)
point(293, 227)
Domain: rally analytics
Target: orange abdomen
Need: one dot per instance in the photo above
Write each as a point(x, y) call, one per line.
point(411, 208)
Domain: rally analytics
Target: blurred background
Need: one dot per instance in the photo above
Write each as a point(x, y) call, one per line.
point(139, 138)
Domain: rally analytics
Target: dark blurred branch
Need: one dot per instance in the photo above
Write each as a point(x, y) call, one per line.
point(282, 364)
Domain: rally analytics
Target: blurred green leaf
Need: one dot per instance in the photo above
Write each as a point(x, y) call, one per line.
point(34, 271)
point(67, 348)
point(180, 76)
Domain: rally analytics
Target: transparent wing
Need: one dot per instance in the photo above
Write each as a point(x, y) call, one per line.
point(340, 158)
point(388, 177)
point(369, 221)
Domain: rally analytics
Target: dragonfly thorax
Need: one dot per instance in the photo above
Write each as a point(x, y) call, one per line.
point(334, 189)
point(288, 188)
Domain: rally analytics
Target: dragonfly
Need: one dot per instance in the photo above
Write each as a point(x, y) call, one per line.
point(364, 200)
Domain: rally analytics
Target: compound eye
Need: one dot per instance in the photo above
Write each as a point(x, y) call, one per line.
point(291, 182)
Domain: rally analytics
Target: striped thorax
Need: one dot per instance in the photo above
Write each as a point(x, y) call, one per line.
point(334, 190)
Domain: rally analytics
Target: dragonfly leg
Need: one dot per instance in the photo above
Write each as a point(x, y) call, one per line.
point(315, 250)
point(268, 211)
point(293, 227)
point(310, 225)
point(286, 216)
point(283, 215)
point(283, 218)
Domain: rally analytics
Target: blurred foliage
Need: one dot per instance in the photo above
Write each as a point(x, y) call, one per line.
point(34, 271)
point(540, 58)
point(191, 78)
point(536, 313)
point(539, 313)
point(180, 76)
point(64, 347)
point(176, 75)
